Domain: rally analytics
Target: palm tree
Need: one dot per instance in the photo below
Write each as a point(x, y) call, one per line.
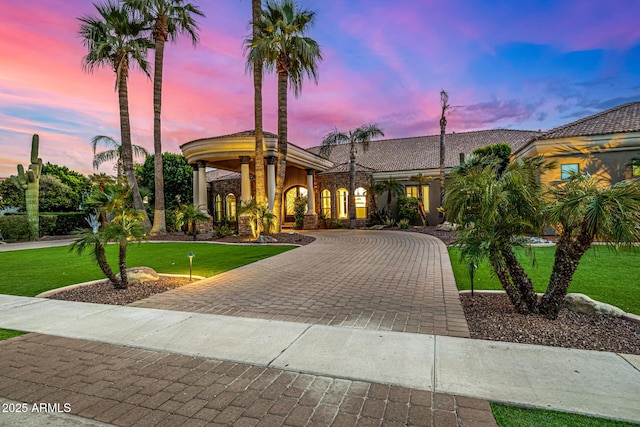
point(281, 44)
point(114, 152)
point(360, 136)
point(494, 210)
point(116, 39)
point(256, 66)
point(169, 18)
point(125, 227)
point(586, 211)
point(189, 215)
point(444, 104)
point(392, 187)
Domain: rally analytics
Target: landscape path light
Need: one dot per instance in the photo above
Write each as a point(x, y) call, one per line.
point(191, 255)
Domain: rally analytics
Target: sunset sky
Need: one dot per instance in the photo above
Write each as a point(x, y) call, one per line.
point(505, 64)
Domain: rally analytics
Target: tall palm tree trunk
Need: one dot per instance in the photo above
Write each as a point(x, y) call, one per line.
point(352, 187)
point(283, 79)
point(127, 153)
point(160, 35)
point(256, 7)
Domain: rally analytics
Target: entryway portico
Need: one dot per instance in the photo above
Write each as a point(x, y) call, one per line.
point(236, 153)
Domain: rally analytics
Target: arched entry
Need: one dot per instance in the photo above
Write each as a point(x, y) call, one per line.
point(289, 201)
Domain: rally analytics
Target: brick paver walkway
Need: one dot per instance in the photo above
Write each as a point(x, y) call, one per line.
point(133, 387)
point(363, 279)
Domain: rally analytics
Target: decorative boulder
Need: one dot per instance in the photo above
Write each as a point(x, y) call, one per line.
point(446, 226)
point(265, 239)
point(581, 303)
point(377, 227)
point(137, 275)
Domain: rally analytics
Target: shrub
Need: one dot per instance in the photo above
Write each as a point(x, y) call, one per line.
point(408, 208)
point(222, 230)
point(299, 209)
point(14, 227)
point(389, 222)
point(403, 223)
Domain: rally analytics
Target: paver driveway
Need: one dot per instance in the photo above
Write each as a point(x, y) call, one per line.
point(386, 280)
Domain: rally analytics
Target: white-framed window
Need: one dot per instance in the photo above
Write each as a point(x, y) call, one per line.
point(361, 202)
point(567, 169)
point(325, 203)
point(412, 191)
point(342, 203)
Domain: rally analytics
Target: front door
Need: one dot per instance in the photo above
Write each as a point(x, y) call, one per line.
point(289, 201)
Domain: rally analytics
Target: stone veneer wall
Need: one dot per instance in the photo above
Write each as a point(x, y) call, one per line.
point(335, 181)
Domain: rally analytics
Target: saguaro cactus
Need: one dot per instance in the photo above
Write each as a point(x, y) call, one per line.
point(29, 181)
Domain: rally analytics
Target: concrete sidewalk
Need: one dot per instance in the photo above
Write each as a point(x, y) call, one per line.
point(587, 382)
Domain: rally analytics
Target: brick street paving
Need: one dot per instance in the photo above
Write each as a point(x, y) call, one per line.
point(361, 279)
point(374, 279)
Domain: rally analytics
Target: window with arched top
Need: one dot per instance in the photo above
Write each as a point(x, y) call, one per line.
point(218, 208)
point(361, 202)
point(290, 197)
point(230, 208)
point(325, 203)
point(342, 203)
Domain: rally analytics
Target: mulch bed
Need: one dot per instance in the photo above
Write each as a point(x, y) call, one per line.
point(492, 317)
point(104, 292)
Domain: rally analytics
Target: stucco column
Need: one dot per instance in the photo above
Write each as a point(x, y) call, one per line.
point(310, 196)
point(271, 180)
point(245, 180)
point(202, 186)
point(196, 194)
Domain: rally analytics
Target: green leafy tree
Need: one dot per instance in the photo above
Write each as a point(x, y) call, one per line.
point(169, 18)
point(178, 179)
point(78, 183)
point(116, 39)
point(281, 44)
point(124, 228)
point(586, 211)
point(359, 137)
point(55, 196)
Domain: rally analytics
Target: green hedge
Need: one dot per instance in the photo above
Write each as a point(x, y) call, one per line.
point(16, 227)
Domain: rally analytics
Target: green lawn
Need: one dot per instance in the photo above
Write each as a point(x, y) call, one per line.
point(33, 271)
point(514, 416)
point(603, 274)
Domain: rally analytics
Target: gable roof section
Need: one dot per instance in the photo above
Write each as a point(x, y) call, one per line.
point(620, 119)
point(423, 152)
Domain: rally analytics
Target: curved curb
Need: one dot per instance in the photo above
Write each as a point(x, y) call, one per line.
point(626, 316)
point(48, 293)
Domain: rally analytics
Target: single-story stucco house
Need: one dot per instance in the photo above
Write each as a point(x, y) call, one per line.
point(603, 144)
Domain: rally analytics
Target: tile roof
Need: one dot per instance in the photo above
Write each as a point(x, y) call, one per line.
point(221, 175)
point(623, 118)
point(423, 152)
point(251, 132)
point(344, 167)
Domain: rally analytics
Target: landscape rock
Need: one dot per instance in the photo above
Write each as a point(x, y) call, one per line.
point(265, 239)
point(376, 227)
point(136, 275)
point(581, 303)
point(446, 226)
